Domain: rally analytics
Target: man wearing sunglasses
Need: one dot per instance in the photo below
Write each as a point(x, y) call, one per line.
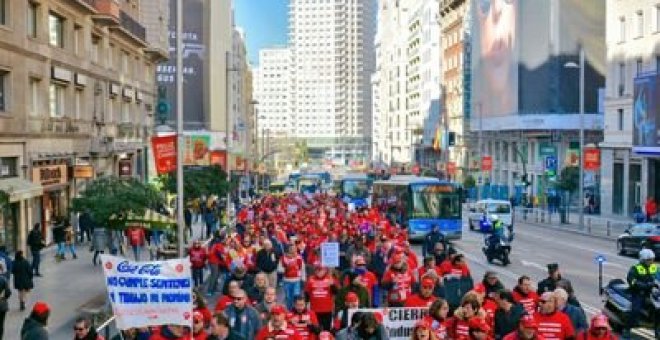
point(244, 320)
point(83, 330)
point(552, 323)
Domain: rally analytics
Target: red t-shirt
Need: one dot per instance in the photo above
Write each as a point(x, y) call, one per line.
point(448, 268)
point(555, 326)
point(223, 303)
point(419, 301)
point(529, 301)
point(206, 313)
point(197, 257)
point(514, 336)
point(292, 266)
point(402, 285)
point(287, 333)
point(301, 321)
point(135, 236)
point(320, 294)
point(440, 328)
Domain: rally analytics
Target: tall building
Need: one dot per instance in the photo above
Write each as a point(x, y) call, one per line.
point(331, 43)
point(455, 51)
point(525, 91)
point(408, 79)
point(77, 95)
point(630, 168)
point(273, 92)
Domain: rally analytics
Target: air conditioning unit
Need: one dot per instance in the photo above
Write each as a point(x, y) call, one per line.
point(4, 170)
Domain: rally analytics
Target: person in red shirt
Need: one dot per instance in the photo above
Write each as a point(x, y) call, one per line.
point(488, 305)
point(599, 330)
point(199, 333)
point(304, 320)
point(398, 279)
point(341, 319)
point(527, 330)
point(553, 324)
point(437, 318)
point(455, 266)
point(429, 269)
point(198, 258)
point(479, 329)
point(525, 295)
point(366, 279)
point(292, 268)
point(199, 306)
point(320, 290)
point(170, 332)
point(136, 238)
point(226, 300)
point(216, 260)
point(470, 308)
point(278, 328)
point(425, 296)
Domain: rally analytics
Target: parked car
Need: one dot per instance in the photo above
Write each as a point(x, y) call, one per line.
point(501, 208)
point(639, 236)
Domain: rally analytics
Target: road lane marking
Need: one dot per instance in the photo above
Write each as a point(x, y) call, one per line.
point(533, 265)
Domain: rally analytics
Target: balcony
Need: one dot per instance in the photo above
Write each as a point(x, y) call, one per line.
point(90, 5)
point(108, 12)
point(133, 26)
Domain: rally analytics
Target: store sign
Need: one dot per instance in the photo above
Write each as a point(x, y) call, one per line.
point(591, 159)
point(125, 168)
point(83, 171)
point(48, 175)
point(547, 149)
point(219, 157)
point(486, 163)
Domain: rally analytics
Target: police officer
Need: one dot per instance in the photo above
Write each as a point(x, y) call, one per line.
point(641, 278)
point(496, 232)
point(434, 236)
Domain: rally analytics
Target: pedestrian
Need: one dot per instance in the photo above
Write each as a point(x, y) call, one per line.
point(350, 332)
point(479, 329)
point(34, 326)
point(425, 296)
point(370, 329)
point(270, 300)
point(508, 314)
point(303, 319)
point(136, 238)
point(198, 259)
point(59, 237)
point(575, 314)
point(267, 260)
point(100, 241)
point(599, 330)
point(22, 272)
point(398, 280)
point(5, 264)
point(70, 240)
point(354, 287)
point(433, 237)
point(209, 217)
point(200, 306)
point(552, 323)
point(198, 328)
point(468, 310)
point(83, 330)
point(641, 280)
point(36, 242)
point(5, 293)
point(651, 208)
point(549, 284)
point(86, 225)
point(219, 329)
point(438, 318)
point(527, 330)
point(351, 301)
point(321, 288)
point(278, 327)
point(243, 319)
point(423, 331)
point(293, 269)
point(257, 292)
point(524, 295)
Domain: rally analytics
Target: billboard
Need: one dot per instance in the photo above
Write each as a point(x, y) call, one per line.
point(194, 64)
point(495, 58)
point(646, 112)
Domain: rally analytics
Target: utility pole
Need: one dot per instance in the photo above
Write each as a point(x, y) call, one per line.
point(480, 152)
point(227, 135)
point(179, 128)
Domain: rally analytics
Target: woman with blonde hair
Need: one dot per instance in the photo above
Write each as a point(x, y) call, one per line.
point(469, 309)
point(423, 331)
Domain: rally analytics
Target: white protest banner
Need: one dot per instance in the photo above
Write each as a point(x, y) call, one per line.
point(149, 293)
point(291, 208)
point(330, 254)
point(399, 322)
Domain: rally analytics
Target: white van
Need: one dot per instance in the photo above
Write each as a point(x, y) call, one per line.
point(501, 208)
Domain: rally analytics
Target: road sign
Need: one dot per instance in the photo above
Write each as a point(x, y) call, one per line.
point(551, 163)
point(600, 258)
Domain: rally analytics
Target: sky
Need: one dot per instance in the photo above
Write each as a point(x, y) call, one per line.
point(265, 23)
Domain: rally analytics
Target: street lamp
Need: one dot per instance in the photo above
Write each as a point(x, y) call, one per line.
point(179, 127)
point(573, 65)
point(228, 69)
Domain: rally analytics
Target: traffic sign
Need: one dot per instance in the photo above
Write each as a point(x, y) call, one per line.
point(551, 163)
point(600, 259)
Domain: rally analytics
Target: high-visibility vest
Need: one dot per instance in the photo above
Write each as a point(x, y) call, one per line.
point(641, 270)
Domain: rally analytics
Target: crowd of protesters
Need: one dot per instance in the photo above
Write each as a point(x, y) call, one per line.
point(268, 281)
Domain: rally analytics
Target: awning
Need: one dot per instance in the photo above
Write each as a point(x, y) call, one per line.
point(150, 220)
point(19, 189)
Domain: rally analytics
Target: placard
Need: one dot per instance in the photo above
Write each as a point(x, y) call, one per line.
point(330, 254)
point(149, 293)
point(399, 322)
point(164, 149)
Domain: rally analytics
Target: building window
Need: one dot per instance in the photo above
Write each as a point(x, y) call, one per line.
point(640, 24)
point(657, 18)
point(622, 78)
point(8, 167)
point(124, 62)
point(56, 30)
point(79, 104)
point(4, 10)
point(639, 66)
point(111, 55)
point(56, 99)
point(32, 15)
point(657, 64)
point(78, 40)
point(34, 96)
point(4, 90)
point(622, 29)
point(619, 124)
point(125, 112)
point(95, 50)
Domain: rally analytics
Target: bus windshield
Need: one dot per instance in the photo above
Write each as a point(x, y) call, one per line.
point(435, 201)
point(355, 188)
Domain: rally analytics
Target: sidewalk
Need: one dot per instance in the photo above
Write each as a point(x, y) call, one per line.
point(66, 286)
point(601, 226)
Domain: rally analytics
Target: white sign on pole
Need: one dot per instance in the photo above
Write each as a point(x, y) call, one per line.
point(330, 254)
point(399, 322)
point(149, 293)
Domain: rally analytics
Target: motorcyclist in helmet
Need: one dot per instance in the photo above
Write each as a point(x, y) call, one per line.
point(641, 278)
point(496, 232)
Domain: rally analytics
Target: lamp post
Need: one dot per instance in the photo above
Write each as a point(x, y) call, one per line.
point(228, 121)
point(581, 165)
point(179, 127)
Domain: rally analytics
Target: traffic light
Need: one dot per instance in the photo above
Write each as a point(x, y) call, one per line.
point(525, 181)
point(162, 107)
point(451, 138)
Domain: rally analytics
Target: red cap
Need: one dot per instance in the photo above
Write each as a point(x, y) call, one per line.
point(277, 309)
point(528, 321)
point(600, 321)
point(480, 289)
point(352, 297)
point(325, 335)
point(198, 316)
point(428, 282)
point(480, 324)
point(422, 324)
point(317, 264)
point(40, 308)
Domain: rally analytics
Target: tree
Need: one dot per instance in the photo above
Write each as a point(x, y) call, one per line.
point(569, 179)
point(110, 199)
point(199, 181)
point(469, 182)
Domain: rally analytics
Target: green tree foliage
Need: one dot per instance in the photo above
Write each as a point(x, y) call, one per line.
point(569, 179)
point(111, 196)
point(199, 181)
point(469, 182)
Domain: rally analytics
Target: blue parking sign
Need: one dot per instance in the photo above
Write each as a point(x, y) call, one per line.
point(551, 163)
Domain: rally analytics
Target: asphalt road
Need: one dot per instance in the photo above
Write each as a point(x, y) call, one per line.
point(535, 246)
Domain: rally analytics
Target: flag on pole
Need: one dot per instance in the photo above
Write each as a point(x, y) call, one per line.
point(437, 141)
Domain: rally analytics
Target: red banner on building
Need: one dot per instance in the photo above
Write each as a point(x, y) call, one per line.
point(164, 148)
point(219, 157)
point(486, 163)
point(591, 159)
point(451, 168)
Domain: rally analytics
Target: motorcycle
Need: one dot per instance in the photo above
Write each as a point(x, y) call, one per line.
point(499, 251)
point(618, 306)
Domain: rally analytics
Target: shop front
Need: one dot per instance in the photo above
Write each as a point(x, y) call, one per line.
point(54, 205)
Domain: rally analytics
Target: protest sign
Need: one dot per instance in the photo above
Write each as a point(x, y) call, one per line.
point(399, 323)
point(292, 208)
point(149, 293)
point(330, 254)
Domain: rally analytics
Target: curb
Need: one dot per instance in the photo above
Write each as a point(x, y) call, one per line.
point(569, 230)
